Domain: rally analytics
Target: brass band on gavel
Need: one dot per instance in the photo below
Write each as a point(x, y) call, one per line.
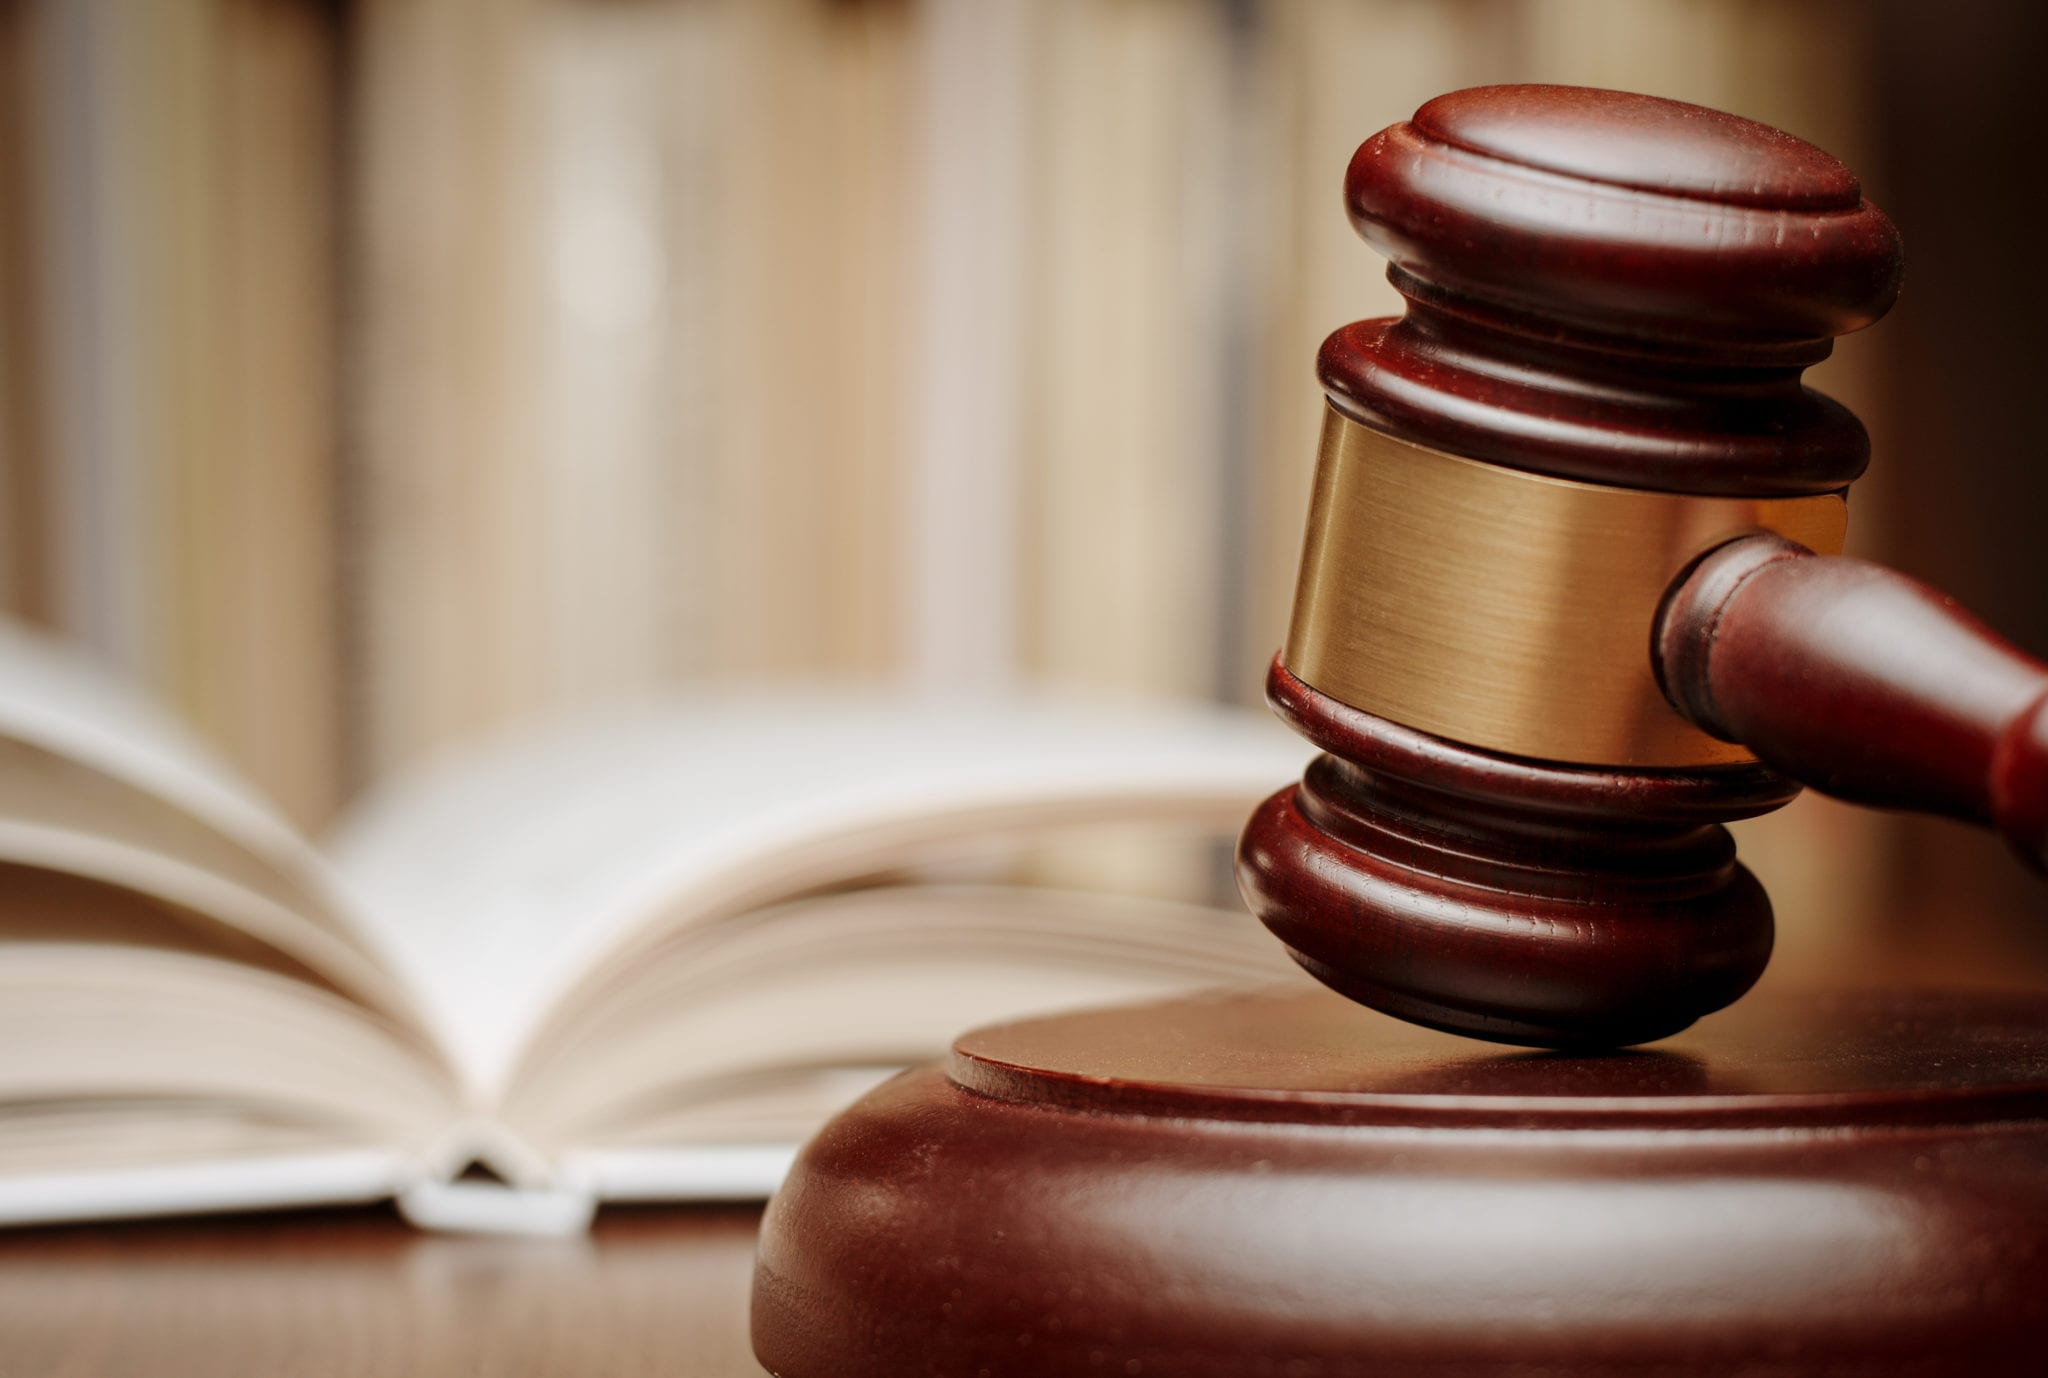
point(1507, 610)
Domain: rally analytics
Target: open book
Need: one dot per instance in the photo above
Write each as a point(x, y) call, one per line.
point(637, 958)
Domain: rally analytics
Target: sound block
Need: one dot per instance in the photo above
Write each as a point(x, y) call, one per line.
point(1284, 1183)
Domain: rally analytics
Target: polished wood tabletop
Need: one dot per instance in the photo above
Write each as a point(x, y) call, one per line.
point(357, 1292)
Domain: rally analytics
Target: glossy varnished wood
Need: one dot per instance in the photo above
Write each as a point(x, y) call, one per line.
point(1615, 288)
point(654, 1292)
point(1861, 682)
point(1521, 901)
point(1623, 291)
point(1609, 288)
point(1287, 1183)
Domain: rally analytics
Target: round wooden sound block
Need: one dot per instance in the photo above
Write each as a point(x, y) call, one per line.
point(1286, 1184)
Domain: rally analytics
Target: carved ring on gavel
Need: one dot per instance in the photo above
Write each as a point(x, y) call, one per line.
point(1571, 595)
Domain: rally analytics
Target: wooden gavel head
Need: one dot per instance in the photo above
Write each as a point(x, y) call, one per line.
point(1571, 597)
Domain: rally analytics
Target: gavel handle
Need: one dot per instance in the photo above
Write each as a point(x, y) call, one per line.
point(1862, 683)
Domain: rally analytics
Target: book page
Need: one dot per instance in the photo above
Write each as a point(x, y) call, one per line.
point(137, 1039)
point(499, 878)
point(94, 1022)
point(96, 780)
point(729, 1032)
point(54, 698)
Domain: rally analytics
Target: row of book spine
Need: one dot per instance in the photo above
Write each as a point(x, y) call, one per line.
point(169, 334)
point(377, 373)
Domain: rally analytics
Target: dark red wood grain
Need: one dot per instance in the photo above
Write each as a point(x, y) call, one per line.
point(1614, 288)
point(1610, 288)
point(1862, 683)
point(1513, 900)
point(1623, 290)
point(1286, 1183)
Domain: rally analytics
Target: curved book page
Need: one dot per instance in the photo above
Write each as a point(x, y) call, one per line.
point(752, 1030)
point(504, 878)
point(154, 1059)
point(94, 778)
point(54, 698)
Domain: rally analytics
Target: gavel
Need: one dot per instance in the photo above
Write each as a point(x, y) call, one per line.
point(1571, 596)
point(1570, 600)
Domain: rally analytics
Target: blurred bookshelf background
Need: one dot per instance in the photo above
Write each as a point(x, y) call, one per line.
point(380, 371)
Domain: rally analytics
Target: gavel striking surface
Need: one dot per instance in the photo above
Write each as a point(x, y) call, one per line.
point(1285, 1183)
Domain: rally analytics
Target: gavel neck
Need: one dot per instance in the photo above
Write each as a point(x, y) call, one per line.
point(1862, 683)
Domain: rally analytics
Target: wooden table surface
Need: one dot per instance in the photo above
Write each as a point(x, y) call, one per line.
point(357, 1292)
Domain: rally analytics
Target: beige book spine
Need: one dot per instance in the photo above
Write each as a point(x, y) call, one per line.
point(25, 554)
point(441, 475)
point(633, 330)
point(813, 226)
point(260, 650)
point(170, 378)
